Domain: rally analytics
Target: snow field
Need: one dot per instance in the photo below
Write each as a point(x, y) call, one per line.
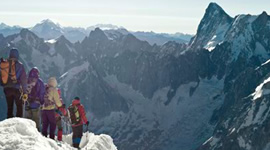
point(21, 134)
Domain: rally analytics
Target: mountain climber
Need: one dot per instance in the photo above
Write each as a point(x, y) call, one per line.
point(78, 117)
point(51, 102)
point(14, 80)
point(35, 91)
point(61, 111)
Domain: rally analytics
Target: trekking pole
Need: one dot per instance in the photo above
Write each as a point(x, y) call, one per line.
point(21, 91)
point(24, 110)
point(66, 126)
point(63, 121)
point(87, 131)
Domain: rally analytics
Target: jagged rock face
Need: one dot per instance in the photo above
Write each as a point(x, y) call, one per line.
point(243, 122)
point(261, 27)
point(243, 118)
point(213, 26)
point(1, 37)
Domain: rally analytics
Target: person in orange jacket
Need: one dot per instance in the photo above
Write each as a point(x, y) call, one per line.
point(78, 118)
point(61, 111)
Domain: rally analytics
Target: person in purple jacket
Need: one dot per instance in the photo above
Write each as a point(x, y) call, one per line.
point(36, 91)
point(15, 91)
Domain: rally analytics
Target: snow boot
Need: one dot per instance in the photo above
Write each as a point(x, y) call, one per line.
point(76, 146)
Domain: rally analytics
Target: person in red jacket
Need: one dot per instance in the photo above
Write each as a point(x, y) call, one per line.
point(78, 118)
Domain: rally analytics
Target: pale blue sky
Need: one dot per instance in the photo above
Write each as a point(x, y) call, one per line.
point(137, 15)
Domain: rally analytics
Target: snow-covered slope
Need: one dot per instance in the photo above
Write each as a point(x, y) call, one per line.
point(19, 133)
point(244, 120)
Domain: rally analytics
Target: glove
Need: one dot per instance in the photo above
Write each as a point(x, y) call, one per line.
point(25, 97)
point(59, 112)
point(87, 123)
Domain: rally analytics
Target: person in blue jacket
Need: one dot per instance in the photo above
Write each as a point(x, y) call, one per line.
point(36, 91)
point(15, 87)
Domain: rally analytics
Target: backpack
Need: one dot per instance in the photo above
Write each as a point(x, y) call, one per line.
point(8, 72)
point(30, 85)
point(74, 113)
point(47, 101)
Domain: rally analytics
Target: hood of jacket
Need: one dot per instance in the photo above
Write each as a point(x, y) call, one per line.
point(52, 82)
point(14, 53)
point(76, 102)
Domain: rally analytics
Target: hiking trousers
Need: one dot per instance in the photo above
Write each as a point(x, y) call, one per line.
point(13, 95)
point(48, 119)
point(77, 135)
point(60, 128)
point(34, 115)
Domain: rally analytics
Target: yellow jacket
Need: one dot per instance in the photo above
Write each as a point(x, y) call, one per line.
point(52, 98)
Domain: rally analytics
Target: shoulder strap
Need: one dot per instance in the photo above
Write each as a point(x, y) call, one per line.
point(9, 70)
point(10, 65)
point(12, 74)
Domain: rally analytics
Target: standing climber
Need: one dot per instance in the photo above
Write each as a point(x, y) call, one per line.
point(77, 117)
point(35, 91)
point(51, 102)
point(60, 112)
point(14, 80)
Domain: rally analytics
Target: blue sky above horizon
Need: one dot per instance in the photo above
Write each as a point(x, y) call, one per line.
point(141, 15)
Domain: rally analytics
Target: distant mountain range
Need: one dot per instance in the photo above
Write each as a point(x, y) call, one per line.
point(48, 30)
point(9, 30)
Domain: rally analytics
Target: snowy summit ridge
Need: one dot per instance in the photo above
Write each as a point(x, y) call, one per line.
point(19, 133)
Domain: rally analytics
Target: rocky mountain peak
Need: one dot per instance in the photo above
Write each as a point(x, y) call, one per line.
point(25, 32)
point(47, 29)
point(3, 26)
point(263, 18)
point(63, 39)
point(264, 13)
point(130, 37)
point(214, 24)
point(48, 22)
point(98, 34)
point(212, 7)
point(214, 14)
point(31, 39)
